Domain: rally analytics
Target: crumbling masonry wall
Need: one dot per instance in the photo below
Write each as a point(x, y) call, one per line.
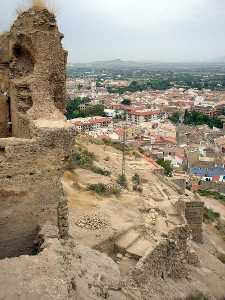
point(33, 57)
point(192, 210)
point(166, 260)
point(194, 215)
point(4, 85)
point(35, 139)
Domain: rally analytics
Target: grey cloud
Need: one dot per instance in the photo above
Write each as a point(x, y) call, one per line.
point(167, 30)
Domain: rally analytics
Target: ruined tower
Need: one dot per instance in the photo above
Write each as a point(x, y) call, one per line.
point(35, 139)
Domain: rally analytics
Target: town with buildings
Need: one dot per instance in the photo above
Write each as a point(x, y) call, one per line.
point(112, 173)
point(145, 120)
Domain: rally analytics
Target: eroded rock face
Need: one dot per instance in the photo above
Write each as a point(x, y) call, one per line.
point(35, 139)
point(33, 65)
point(68, 271)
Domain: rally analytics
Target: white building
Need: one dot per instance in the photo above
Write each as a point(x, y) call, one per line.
point(141, 116)
point(90, 123)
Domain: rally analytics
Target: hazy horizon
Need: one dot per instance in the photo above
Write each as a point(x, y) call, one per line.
point(136, 30)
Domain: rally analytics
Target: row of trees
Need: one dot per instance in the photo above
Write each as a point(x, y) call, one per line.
point(135, 86)
point(197, 118)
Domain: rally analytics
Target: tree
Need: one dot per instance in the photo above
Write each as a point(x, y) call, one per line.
point(72, 106)
point(175, 117)
point(73, 110)
point(166, 164)
point(126, 102)
point(197, 118)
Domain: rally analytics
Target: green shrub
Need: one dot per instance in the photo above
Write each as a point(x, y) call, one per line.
point(82, 158)
point(100, 171)
point(197, 296)
point(166, 164)
point(104, 189)
point(210, 216)
point(96, 141)
point(85, 159)
point(136, 179)
point(213, 194)
point(122, 181)
point(99, 188)
point(116, 144)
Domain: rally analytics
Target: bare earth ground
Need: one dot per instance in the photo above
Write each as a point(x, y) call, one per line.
point(125, 214)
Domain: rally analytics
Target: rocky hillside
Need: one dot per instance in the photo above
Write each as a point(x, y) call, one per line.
point(129, 239)
point(127, 220)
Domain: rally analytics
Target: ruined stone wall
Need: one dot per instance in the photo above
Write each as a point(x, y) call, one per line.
point(31, 191)
point(4, 85)
point(166, 260)
point(33, 57)
point(32, 63)
point(192, 211)
point(194, 215)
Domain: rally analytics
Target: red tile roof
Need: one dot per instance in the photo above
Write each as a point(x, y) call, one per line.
point(144, 112)
point(90, 121)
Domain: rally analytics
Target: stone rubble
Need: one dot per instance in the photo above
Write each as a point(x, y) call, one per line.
point(93, 222)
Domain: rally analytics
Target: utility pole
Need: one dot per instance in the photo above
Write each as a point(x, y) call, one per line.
point(124, 150)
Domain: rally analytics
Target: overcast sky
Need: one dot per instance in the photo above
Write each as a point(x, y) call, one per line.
point(156, 30)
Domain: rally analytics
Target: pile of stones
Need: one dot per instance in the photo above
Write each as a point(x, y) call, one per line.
point(93, 222)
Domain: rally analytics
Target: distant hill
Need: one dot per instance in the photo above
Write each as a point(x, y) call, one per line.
point(150, 65)
point(113, 64)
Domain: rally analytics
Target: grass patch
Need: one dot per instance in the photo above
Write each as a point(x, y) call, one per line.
point(85, 160)
point(210, 216)
point(117, 145)
point(104, 189)
point(212, 194)
point(82, 158)
point(100, 171)
point(197, 296)
point(96, 141)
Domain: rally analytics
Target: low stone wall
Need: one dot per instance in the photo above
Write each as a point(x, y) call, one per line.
point(179, 182)
point(172, 184)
